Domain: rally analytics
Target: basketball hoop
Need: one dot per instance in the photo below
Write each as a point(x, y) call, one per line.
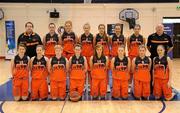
point(129, 15)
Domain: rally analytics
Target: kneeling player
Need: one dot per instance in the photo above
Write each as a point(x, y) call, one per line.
point(99, 66)
point(20, 74)
point(58, 68)
point(120, 66)
point(141, 74)
point(78, 68)
point(39, 73)
point(162, 76)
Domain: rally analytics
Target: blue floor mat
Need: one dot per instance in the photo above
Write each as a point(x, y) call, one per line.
point(6, 94)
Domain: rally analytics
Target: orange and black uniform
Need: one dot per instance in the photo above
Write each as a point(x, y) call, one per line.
point(142, 77)
point(103, 40)
point(161, 78)
point(21, 76)
point(51, 41)
point(87, 46)
point(99, 77)
point(30, 42)
point(116, 42)
point(58, 77)
point(77, 75)
point(120, 77)
point(39, 87)
point(134, 46)
point(69, 40)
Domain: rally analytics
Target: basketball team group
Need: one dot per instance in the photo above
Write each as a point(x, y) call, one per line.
point(66, 55)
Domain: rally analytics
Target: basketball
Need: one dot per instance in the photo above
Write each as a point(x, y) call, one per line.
point(74, 96)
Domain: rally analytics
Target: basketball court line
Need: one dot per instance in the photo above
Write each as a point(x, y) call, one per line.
point(1, 105)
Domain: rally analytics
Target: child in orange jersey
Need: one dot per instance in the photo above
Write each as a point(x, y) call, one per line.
point(141, 74)
point(162, 75)
point(39, 73)
point(103, 39)
point(20, 74)
point(117, 40)
point(58, 68)
point(99, 66)
point(78, 68)
point(134, 41)
point(120, 66)
point(50, 40)
point(68, 40)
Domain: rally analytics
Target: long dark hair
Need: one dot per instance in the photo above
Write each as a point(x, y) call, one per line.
point(95, 52)
point(104, 35)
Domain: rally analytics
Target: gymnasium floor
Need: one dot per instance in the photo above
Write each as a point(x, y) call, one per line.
point(108, 106)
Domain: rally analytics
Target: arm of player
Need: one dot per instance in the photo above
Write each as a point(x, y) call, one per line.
point(107, 62)
point(70, 60)
point(112, 63)
point(91, 62)
point(129, 65)
point(85, 65)
point(170, 71)
point(67, 66)
point(133, 65)
point(49, 65)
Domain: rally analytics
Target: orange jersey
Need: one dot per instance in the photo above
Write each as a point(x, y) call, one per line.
point(121, 73)
point(87, 45)
point(21, 67)
point(120, 70)
point(99, 71)
point(161, 69)
point(77, 68)
point(103, 41)
point(39, 70)
point(51, 41)
point(116, 42)
point(58, 69)
point(68, 42)
point(142, 72)
point(134, 44)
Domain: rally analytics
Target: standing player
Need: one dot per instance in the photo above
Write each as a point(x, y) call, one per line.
point(120, 66)
point(102, 38)
point(86, 40)
point(78, 68)
point(30, 39)
point(68, 40)
point(134, 41)
point(117, 40)
point(162, 75)
point(20, 74)
point(58, 69)
point(50, 40)
point(141, 66)
point(39, 73)
point(99, 66)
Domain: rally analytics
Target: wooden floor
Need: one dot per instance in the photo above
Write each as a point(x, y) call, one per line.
point(90, 106)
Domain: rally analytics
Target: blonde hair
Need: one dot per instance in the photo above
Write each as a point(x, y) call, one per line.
point(68, 22)
point(58, 47)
